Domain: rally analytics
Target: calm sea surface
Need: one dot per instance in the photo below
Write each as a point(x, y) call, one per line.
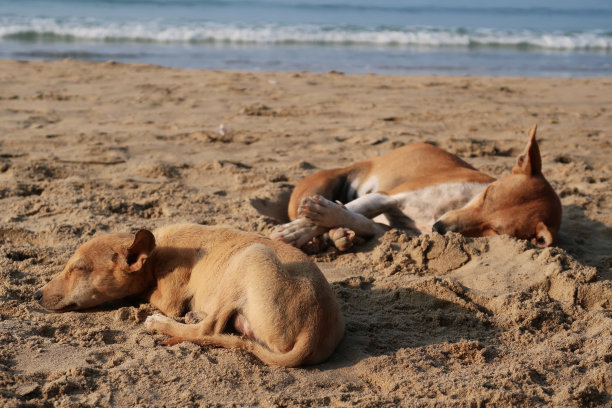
point(554, 38)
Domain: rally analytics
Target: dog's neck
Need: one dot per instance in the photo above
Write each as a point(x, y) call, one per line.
point(165, 294)
point(425, 206)
point(145, 282)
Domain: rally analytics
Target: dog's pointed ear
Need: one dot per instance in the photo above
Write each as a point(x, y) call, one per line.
point(530, 162)
point(139, 251)
point(544, 237)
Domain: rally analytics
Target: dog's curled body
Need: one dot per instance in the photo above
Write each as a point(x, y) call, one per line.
point(269, 293)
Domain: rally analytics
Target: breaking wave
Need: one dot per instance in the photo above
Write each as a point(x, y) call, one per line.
point(197, 32)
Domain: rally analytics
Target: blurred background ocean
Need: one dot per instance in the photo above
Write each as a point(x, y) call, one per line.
point(504, 37)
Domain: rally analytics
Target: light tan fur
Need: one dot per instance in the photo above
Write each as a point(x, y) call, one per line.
point(250, 292)
point(521, 204)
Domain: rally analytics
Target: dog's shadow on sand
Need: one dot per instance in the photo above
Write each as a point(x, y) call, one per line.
point(383, 321)
point(275, 205)
point(587, 240)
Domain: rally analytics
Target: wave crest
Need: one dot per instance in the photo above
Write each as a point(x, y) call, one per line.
point(52, 30)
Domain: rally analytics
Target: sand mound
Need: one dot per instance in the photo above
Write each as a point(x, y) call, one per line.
point(431, 320)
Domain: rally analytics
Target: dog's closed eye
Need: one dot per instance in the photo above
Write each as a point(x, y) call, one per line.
point(81, 265)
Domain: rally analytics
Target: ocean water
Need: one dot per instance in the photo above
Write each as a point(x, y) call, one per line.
point(554, 38)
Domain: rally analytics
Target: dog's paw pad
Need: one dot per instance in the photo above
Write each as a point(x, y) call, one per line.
point(309, 206)
point(343, 238)
point(152, 321)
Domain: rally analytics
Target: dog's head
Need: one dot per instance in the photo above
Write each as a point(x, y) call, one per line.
point(521, 204)
point(105, 268)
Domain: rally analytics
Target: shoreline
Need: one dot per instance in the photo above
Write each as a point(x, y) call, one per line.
point(323, 58)
point(111, 61)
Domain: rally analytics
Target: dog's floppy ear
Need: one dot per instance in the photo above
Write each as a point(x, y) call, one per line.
point(530, 162)
point(139, 251)
point(544, 237)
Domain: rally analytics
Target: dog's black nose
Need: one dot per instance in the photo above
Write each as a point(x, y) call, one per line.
point(38, 295)
point(439, 228)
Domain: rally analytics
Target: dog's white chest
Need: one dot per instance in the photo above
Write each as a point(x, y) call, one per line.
point(428, 204)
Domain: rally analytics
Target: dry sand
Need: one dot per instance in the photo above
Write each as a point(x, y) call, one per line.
point(435, 320)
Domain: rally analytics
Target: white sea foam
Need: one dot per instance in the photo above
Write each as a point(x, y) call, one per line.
point(47, 29)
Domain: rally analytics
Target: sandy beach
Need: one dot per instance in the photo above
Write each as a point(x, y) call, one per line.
point(88, 148)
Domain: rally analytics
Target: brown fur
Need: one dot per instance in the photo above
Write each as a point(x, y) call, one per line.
point(521, 204)
point(268, 292)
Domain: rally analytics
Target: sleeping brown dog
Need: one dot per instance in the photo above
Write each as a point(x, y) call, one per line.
point(247, 291)
point(421, 188)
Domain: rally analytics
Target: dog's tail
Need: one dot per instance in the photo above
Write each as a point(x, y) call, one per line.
point(298, 355)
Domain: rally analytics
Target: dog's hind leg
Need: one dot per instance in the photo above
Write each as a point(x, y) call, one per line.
point(158, 323)
point(211, 324)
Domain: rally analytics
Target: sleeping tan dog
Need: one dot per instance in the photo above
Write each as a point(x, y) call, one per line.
point(421, 187)
point(234, 282)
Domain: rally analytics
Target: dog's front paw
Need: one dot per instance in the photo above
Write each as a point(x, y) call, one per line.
point(320, 211)
point(154, 323)
point(297, 232)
